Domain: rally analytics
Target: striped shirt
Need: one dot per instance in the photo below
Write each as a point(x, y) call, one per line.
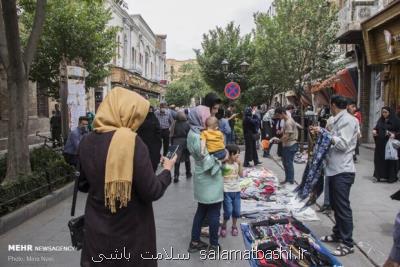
point(165, 119)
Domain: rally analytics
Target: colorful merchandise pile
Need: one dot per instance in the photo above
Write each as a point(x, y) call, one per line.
point(262, 196)
point(284, 241)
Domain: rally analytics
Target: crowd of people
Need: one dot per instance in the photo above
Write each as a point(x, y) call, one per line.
point(121, 168)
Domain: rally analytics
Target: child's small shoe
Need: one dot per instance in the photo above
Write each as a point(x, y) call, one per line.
point(235, 231)
point(222, 233)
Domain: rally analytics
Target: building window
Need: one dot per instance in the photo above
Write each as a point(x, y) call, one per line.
point(133, 58)
point(125, 49)
point(118, 47)
point(42, 102)
point(146, 64)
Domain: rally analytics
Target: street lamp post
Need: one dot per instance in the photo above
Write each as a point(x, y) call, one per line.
point(231, 76)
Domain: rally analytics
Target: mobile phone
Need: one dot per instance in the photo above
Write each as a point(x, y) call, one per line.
point(172, 150)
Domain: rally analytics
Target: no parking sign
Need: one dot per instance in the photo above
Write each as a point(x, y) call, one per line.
point(232, 90)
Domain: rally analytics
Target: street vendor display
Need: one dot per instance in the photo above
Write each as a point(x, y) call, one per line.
point(276, 235)
point(262, 195)
point(284, 241)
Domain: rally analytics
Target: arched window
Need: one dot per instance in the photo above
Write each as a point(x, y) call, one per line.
point(133, 58)
point(125, 49)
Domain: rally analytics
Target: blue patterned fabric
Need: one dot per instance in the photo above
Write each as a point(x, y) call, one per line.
point(314, 168)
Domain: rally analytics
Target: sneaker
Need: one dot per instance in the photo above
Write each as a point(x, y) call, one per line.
point(188, 176)
point(176, 180)
point(247, 165)
point(235, 231)
point(200, 245)
point(222, 233)
point(257, 163)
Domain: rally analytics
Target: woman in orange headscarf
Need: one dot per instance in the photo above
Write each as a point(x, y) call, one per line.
point(122, 185)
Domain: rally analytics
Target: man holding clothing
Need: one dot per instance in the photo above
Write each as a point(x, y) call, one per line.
point(341, 173)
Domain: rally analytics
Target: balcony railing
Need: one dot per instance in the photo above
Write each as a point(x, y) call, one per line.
point(354, 12)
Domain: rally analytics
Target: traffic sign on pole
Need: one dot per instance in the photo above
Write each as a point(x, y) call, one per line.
point(232, 90)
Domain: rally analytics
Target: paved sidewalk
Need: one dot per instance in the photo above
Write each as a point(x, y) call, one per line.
point(374, 214)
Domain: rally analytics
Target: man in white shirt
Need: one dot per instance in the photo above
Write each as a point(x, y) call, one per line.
point(341, 172)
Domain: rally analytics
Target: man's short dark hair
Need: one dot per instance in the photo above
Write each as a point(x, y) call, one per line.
point(289, 107)
point(232, 149)
point(351, 101)
point(280, 110)
point(83, 118)
point(339, 101)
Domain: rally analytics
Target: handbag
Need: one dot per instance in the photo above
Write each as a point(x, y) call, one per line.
point(76, 225)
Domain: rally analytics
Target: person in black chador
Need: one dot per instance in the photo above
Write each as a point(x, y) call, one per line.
point(251, 124)
point(150, 133)
point(388, 126)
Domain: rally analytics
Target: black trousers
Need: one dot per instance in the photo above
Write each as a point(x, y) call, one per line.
point(187, 166)
point(165, 140)
point(250, 153)
point(339, 195)
point(71, 159)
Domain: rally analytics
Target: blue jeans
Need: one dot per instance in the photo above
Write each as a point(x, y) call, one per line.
point(212, 211)
point(288, 153)
point(231, 138)
point(220, 154)
point(231, 205)
point(339, 194)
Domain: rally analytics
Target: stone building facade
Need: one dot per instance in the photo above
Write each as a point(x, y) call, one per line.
point(140, 58)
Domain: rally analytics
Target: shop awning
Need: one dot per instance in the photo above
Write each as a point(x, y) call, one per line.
point(342, 83)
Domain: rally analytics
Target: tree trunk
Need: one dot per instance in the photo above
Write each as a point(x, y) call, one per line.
point(17, 63)
point(18, 146)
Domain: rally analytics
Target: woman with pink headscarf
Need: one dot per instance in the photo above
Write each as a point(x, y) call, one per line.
point(207, 183)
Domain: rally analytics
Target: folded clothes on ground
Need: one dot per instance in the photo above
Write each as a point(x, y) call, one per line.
point(262, 195)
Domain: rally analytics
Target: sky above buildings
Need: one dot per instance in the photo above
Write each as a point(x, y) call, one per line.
point(185, 21)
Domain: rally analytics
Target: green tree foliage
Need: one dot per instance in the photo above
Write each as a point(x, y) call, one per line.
point(189, 85)
point(75, 29)
point(224, 43)
point(298, 42)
